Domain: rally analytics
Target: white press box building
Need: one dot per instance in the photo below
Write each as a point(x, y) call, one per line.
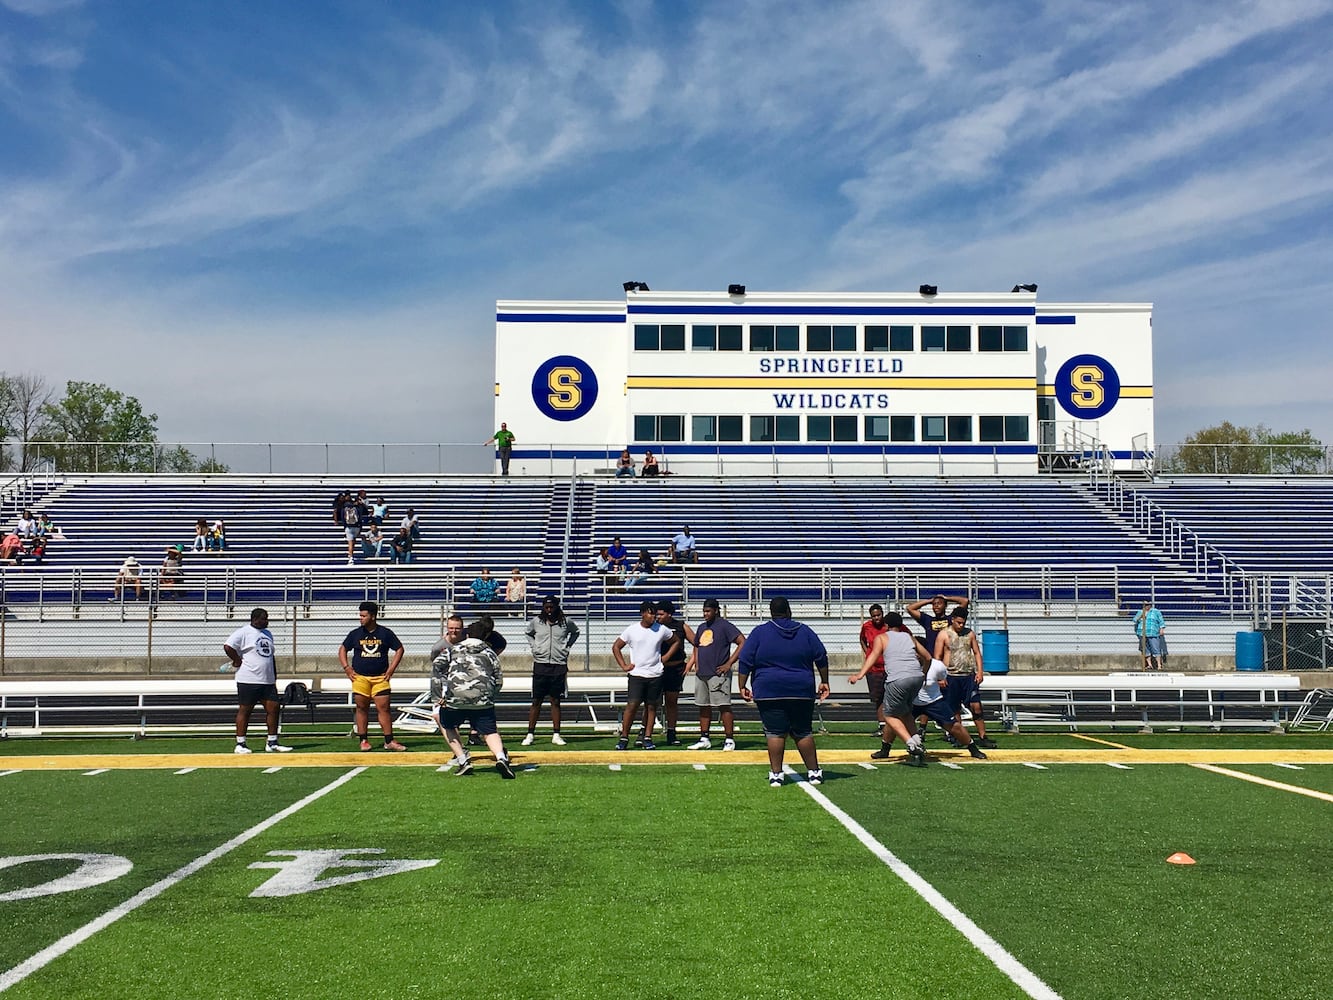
point(764, 383)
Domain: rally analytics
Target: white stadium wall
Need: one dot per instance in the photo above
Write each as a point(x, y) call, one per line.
point(811, 383)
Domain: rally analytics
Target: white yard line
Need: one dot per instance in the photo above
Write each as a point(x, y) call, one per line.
point(6, 774)
point(867, 766)
point(1255, 779)
point(272, 770)
point(1290, 767)
point(1023, 977)
point(187, 770)
point(701, 767)
point(100, 770)
point(1119, 767)
point(951, 765)
point(613, 767)
point(75, 938)
point(1035, 767)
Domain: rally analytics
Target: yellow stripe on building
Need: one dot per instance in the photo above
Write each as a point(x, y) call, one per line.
point(1126, 391)
point(821, 382)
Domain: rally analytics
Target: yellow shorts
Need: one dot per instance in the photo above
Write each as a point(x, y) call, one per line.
point(371, 687)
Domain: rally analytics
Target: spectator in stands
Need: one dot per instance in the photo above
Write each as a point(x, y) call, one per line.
point(1150, 627)
point(172, 573)
point(338, 501)
point(11, 546)
point(684, 547)
point(251, 652)
point(217, 536)
point(618, 554)
point(27, 525)
point(504, 444)
point(351, 515)
point(411, 523)
point(905, 662)
point(373, 542)
point(376, 653)
point(200, 542)
point(650, 467)
point(551, 636)
point(871, 628)
point(516, 590)
point(484, 588)
point(935, 620)
point(379, 511)
point(647, 641)
point(957, 647)
point(129, 575)
point(711, 662)
point(401, 547)
point(643, 568)
point(604, 564)
point(625, 465)
point(46, 528)
point(465, 681)
point(782, 656)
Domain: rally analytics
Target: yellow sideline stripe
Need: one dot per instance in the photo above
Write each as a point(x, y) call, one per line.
point(144, 761)
point(1105, 743)
point(1281, 786)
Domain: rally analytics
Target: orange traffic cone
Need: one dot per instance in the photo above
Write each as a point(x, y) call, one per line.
point(1180, 858)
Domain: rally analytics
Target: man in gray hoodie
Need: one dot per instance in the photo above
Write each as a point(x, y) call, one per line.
point(551, 636)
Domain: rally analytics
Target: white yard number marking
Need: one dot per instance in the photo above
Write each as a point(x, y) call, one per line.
point(301, 873)
point(94, 869)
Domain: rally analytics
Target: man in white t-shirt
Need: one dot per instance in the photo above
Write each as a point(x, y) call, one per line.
point(250, 650)
point(932, 703)
point(645, 642)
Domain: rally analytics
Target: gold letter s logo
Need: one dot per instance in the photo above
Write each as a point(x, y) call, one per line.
point(564, 386)
point(1087, 383)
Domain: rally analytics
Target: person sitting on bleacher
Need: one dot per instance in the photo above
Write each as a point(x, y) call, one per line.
point(127, 576)
point(643, 569)
point(373, 542)
point(27, 525)
point(401, 547)
point(200, 543)
point(625, 465)
point(217, 536)
point(11, 547)
point(650, 467)
point(484, 588)
point(172, 573)
point(618, 554)
point(517, 588)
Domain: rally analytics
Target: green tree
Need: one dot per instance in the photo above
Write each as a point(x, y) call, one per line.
point(1226, 449)
point(98, 429)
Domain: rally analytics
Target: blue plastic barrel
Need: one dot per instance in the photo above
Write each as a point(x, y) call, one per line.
point(1249, 651)
point(995, 652)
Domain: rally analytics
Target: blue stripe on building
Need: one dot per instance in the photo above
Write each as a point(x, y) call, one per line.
point(559, 318)
point(1055, 320)
point(647, 310)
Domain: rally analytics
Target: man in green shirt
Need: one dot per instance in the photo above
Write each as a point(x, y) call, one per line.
point(504, 442)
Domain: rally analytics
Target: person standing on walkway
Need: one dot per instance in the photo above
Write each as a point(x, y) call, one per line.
point(504, 444)
point(1150, 627)
point(777, 669)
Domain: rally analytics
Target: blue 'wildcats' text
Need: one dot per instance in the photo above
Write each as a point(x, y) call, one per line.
point(831, 366)
point(831, 400)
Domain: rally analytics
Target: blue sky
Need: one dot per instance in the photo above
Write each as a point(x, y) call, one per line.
point(291, 221)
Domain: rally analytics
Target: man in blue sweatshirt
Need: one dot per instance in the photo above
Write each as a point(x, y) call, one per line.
point(777, 671)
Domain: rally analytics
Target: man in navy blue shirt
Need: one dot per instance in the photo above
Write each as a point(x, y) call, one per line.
point(777, 671)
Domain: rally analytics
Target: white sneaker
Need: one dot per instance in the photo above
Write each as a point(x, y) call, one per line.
point(557, 739)
point(728, 744)
point(703, 743)
point(276, 748)
point(242, 748)
point(528, 740)
point(351, 562)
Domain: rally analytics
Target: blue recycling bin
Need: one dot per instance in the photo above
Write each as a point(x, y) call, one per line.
point(1249, 651)
point(995, 651)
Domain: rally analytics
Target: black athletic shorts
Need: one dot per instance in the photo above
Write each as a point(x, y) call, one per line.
point(548, 685)
point(645, 690)
point(673, 677)
point(250, 695)
point(482, 720)
point(787, 716)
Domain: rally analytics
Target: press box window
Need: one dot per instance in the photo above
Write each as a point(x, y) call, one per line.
point(946, 428)
point(1002, 338)
point(715, 429)
point(655, 337)
point(715, 338)
point(830, 428)
point(769, 429)
point(892, 428)
point(958, 338)
point(830, 338)
point(898, 339)
point(932, 339)
point(1003, 428)
point(650, 427)
point(775, 338)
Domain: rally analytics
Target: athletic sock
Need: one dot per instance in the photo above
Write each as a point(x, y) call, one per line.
point(240, 741)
